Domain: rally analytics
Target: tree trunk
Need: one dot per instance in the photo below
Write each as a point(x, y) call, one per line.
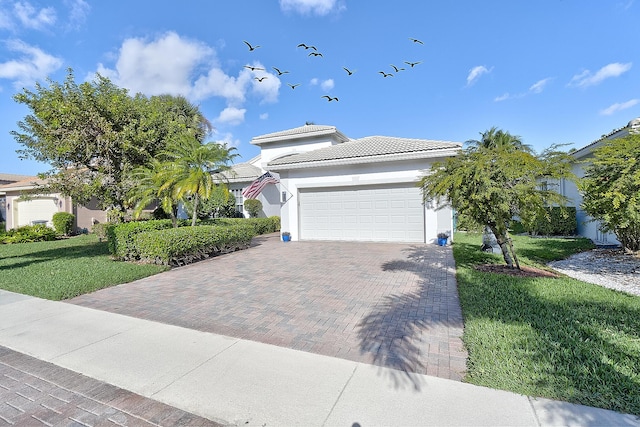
point(504, 245)
point(195, 210)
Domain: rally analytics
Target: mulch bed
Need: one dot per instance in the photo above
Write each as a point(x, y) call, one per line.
point(523, 272)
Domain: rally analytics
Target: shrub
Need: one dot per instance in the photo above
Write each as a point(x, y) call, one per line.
point(3, 228)
point(179, 246)
point(101, 229)
point(63, 223)
point(556, 221)
point(260, 225)
point(253, 206)
point(120, 236)
point(30, 233)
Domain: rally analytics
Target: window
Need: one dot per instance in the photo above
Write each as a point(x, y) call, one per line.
point(237, 193)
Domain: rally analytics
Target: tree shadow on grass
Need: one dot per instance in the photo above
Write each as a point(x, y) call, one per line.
point(573, 343)
point(395, 332)
point(84, 250)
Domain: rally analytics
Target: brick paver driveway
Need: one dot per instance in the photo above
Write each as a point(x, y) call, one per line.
point(393, 305)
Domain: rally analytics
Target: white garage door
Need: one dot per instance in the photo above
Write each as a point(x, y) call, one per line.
point(366, 213)
point(35, 211)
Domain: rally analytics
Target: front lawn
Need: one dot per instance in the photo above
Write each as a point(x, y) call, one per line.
point(558, 338)
point(66, 268)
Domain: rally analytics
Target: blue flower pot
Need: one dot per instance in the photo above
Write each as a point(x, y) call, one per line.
point(286, 238)
point(442, 241)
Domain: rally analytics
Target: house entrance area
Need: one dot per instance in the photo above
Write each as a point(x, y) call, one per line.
point(381, 213)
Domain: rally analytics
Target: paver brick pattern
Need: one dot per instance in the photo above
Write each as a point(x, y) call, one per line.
point(38, 393)
point(386, 304)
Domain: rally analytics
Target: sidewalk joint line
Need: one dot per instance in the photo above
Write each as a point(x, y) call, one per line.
point(340, 395)
point(533, 409)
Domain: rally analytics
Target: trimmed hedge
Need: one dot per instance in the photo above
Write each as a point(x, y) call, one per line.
point(179, 246)
point(260, 225)
point(558, 222)
point(121, 236)
point(63, 222)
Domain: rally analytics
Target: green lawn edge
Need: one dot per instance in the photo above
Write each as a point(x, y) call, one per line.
point(558, 338)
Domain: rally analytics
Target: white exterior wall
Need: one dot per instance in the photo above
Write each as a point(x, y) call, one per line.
point(358, 175)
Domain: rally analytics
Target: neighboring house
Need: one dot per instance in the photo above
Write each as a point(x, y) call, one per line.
point(336, 188)
point(39, 208)
point(7, 178)
point(587, 227)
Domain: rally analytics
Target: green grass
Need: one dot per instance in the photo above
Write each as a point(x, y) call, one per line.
point(556, 338)
point(66, 268)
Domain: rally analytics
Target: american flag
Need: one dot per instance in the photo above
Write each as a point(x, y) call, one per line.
point(252, 191)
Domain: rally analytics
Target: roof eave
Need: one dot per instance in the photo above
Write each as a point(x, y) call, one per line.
point(431, 154)
point(333, 131)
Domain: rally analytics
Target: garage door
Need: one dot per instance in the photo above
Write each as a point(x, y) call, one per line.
point(366, 213)
point(35, 211)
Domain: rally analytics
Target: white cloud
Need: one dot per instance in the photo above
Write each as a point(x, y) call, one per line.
point(539, 86)
point(228, 139)
point(5, 20)
point(314, 81)
point(586, 78)
point(317, 7)
point(476, 72)
point(502, 97)
point(619, 107)
point(327, 85)
point(78, 11)
point(33, 65)
point(264, 116)
point(231, 116)
point(30, 17)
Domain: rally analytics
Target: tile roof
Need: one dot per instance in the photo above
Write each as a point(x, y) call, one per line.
point(242, 172)
point(299, 132)
point(11, 177)
point(632, 126)
point(24, 184)
point(369, 147)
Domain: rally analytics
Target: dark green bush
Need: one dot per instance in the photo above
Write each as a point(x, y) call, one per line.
point(101, 229)
point(556, 221)
point(121, 236)
point(3, 228)
point(260, 225)
point(63, 223)
point(253, 206)
point(179, 246)
point(30, 233)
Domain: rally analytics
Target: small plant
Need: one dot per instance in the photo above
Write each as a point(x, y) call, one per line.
point(30, 233)
point(286, 233)
point(253, 206)
point(63, 223)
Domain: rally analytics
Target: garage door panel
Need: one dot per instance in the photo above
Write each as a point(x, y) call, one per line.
point(366, 213)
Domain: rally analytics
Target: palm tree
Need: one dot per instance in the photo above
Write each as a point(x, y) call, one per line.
point(196, 169)
point(495, 138)
point(152, 184)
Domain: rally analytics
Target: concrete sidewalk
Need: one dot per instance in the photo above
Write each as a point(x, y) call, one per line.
point(234, 381)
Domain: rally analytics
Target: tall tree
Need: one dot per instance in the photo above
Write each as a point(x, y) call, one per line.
point(611, 189)
point(197, 168)
point(495, 179)
point(152, 185)
point(93, 134)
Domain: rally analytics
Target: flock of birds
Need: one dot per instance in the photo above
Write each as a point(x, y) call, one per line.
point(314, 52)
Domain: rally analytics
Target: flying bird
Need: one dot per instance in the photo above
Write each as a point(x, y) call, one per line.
point(260, 78)
point(293, 86)
point(315, 54)
point(280, 72)
point(253, 68)
point(396, 68)
point(385, 74)
point(306, 47)
point(412, 64)
point(251, 48)
point(329, 98)
point(415, 40)
point(349, 72)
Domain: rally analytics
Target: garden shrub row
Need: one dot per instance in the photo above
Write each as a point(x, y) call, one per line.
point(28, 234)
point(557, 222)
point(120, 237)
point(260, 225)
point(183, 245)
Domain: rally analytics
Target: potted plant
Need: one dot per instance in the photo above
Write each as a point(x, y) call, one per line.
point(286, 236)
point(442, 239)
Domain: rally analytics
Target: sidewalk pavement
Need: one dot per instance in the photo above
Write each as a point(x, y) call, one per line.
point(240, 382)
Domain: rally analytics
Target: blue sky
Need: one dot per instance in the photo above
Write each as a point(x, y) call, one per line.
point(551, 71)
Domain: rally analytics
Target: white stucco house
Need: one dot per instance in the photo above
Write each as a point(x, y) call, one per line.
point(587, 227)
point(336, 188)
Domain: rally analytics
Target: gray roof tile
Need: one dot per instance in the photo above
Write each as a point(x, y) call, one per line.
point(299, 132)
point(242, 172)
point(370, 146)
